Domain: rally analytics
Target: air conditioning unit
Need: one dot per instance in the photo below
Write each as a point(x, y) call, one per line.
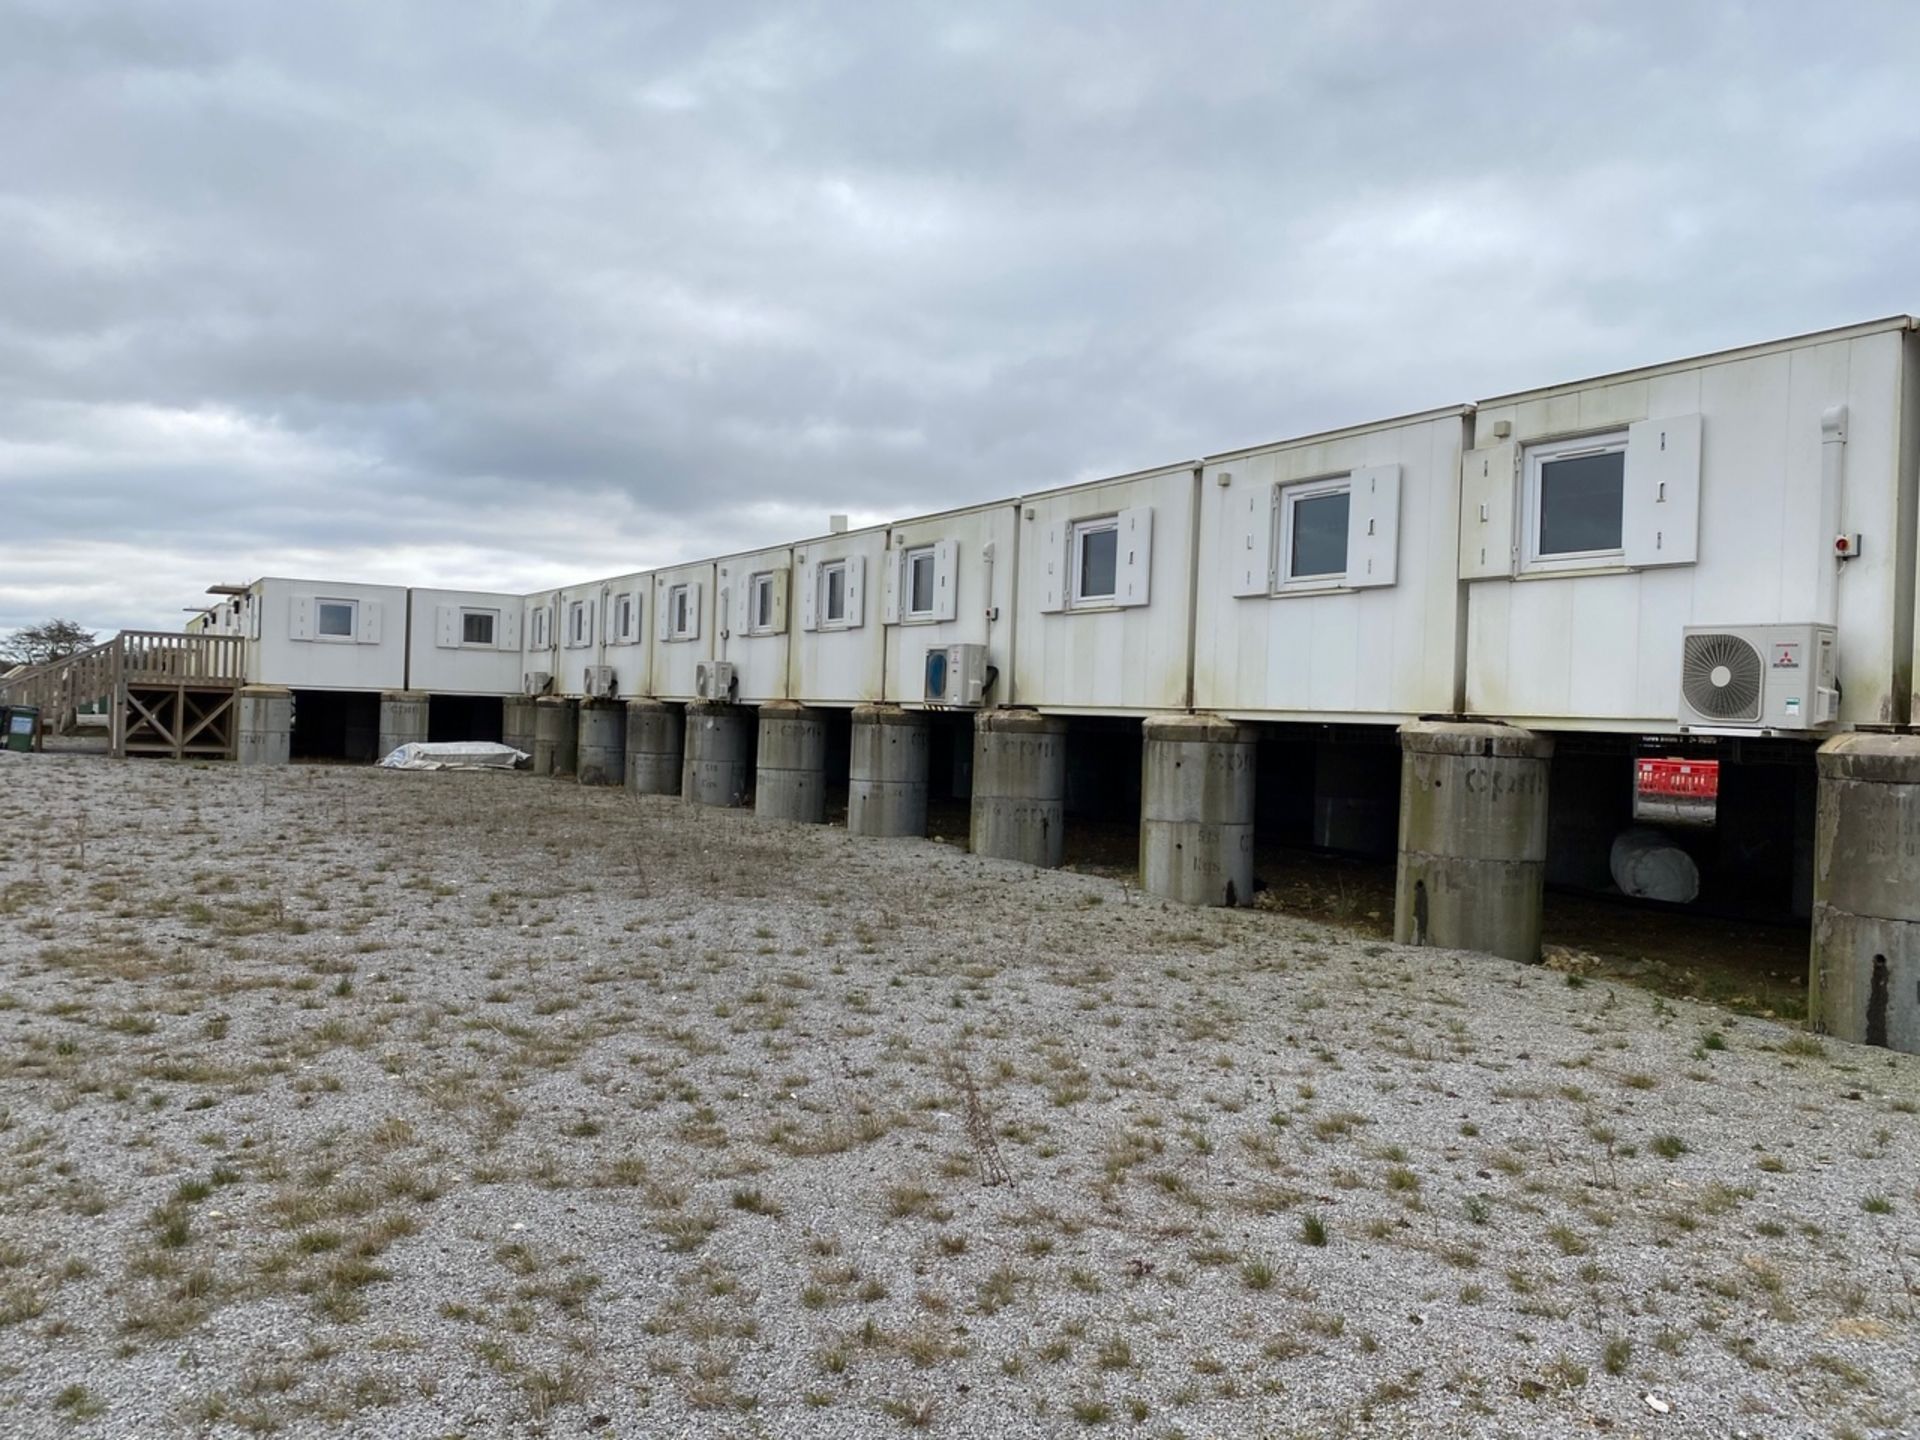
point(599, 682)
point(956, 675)
point(538, 682)
point(1758, 677)
point(713, 680)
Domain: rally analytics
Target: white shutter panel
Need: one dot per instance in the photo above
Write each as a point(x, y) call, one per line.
point(587, 614)
point(663, 597)
point(856, 590)
point(693, 609)
point(447, 626)
point(890, 588)
point(1487, 482)
point(810, 596)
point(508, 635)
point(1373, 526)
point(1136, 557)
point(300, 618)
point(946, 579)
point(369, 623)
point(1053, 569)
point(781, 579)
point(1250, 538)
point(253, 617)
point(1660, 520)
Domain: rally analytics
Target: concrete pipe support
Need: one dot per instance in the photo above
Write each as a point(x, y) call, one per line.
point(655, 747)
point(718, 768)
point(1473, 837)
point(264, 733)
point(1019, 786)
point(516, 723)
point(1863, 981)
point(792, 779)
point(887, 772)
point(1196, 810)
point(602, 753)
point(403, 720)
point(556, 736)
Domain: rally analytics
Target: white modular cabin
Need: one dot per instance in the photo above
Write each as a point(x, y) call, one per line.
point(1104, 609)
point(949, 580)
point(626, 611)
point(325, 635)
point(463, 642)
point(683, 628)
point(1599, 519)
point(578, 613)
point(1326, 587)
point(751, 608)
point(839, 650)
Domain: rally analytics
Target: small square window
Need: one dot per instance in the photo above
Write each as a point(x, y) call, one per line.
point(1096, 560)
point(833, 593)
point(335, 618)
point(760, 604)
point(1574, 503)
point(477, 627)
point(1313, 532)
point(920, 577)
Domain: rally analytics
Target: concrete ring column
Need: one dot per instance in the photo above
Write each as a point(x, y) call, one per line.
point(601, 754)
point(403, 720)
point(718, 768)
point(1863, 977)
point(1196, 810)
point(556, 736)
point(887, 772)
point(516, 724)
point(791, 779)
point(655, 747)
point(1019, 786)
point(264, 734)
point(1473, 837)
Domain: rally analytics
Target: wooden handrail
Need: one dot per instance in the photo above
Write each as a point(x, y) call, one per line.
point(133, 657)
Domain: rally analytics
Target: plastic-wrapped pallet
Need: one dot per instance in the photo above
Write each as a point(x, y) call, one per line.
point(455, 755)
point(1649, 866)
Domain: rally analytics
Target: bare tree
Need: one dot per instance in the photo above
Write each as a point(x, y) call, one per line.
point(37, 644)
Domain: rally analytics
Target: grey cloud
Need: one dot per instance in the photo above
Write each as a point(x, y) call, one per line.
point(506, 294)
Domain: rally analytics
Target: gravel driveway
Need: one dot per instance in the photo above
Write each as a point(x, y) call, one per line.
point(341, 1101)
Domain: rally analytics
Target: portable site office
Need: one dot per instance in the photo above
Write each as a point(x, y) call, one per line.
point(1698, 518)
point(751, 612)
point(683, 628)
point(464, 642)
point(1104, 599)
point(949, 580)
point(1325, 586)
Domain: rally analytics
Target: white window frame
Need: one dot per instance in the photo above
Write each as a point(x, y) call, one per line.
point(920, 554)
point(680, 611)
point(625, 619)
point(1076, 552)
point(1289, 496)
point(492, 618)
point(758, 585)
point(823, 574)
point(579, 625)
point(542, 621)
point(1535, 457)
point(352, 607)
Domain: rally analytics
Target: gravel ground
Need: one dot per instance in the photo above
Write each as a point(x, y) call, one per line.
point(355, 1102)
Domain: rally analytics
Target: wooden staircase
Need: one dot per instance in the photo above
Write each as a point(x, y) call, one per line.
point(164, 693)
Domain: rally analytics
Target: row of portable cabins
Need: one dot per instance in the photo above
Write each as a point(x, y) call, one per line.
point(1446, 562)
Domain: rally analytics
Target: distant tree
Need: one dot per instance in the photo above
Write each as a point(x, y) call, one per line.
point(37, 644)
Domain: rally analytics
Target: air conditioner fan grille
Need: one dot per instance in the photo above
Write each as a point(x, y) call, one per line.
point(1721, 677)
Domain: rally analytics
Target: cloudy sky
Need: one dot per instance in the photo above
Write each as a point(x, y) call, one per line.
point(505, 294)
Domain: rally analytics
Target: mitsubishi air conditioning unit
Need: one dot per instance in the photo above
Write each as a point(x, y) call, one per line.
point(599, 682)
point(713, 680)
point(956, 675)
point(1758, 677)
point(538, 682)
